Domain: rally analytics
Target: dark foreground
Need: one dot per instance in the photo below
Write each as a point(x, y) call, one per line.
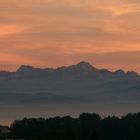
point(86, 127)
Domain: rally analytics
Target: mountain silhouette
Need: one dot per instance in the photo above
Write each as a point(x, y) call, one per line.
point(81, 87)
point(82, 69)
point(30, 79)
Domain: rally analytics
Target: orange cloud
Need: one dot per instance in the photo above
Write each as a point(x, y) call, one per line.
point(49, 32)
point(7, 29)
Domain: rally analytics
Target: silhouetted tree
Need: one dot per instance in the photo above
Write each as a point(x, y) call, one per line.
point(86, 127)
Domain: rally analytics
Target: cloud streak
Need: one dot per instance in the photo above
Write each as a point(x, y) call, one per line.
point(48, 32)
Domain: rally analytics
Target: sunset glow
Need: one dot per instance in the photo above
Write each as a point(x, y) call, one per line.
point(51, 33)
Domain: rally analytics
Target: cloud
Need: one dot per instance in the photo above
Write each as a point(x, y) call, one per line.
point(46, 32)
point(9, 29)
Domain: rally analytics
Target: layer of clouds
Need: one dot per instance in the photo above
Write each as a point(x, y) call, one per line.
point(49, 32)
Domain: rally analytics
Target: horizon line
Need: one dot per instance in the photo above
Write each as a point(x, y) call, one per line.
point(57, 67)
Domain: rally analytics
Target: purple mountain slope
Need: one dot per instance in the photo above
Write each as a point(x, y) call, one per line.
point(82, 77)
point(68, 89)
point(82, 69)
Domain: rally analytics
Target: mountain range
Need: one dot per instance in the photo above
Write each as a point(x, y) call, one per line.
point(73, 89)
point(83, 75)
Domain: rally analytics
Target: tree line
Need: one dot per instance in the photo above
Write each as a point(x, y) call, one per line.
point(88, 126)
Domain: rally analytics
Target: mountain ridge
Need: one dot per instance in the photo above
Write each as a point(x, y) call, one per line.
point(74, 89)
point(81, 66)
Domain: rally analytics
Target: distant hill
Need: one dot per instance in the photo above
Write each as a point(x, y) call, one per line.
point(83, 75)
point(77, 88)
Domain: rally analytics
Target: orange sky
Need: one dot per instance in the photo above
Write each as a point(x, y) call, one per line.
point(61, 32)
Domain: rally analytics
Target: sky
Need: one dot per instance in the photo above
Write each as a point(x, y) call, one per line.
point(51, 33)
